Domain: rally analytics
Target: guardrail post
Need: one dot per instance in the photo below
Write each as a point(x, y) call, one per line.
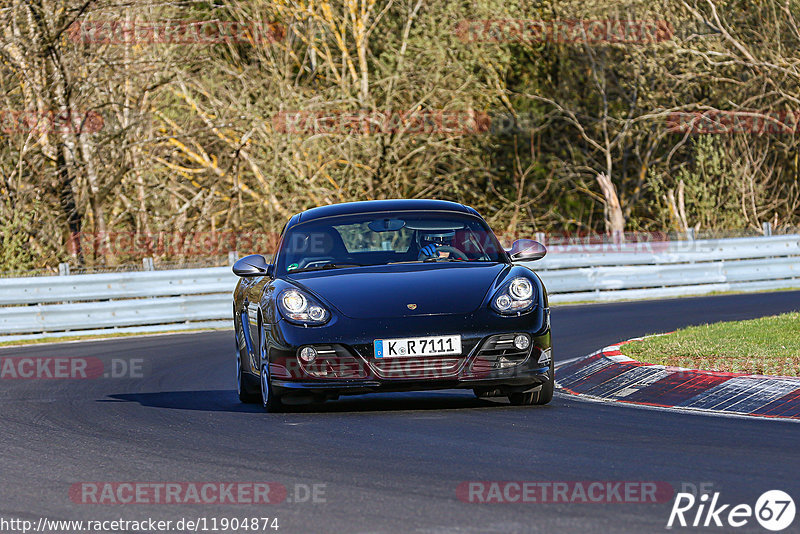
point(63, 269)
point(690, 234)
point(147, 264)
point(540, 237)
point(233, 255)
point(767, 226)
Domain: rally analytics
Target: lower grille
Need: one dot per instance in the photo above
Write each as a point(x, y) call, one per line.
point(499, 352)
point(417, 368)
point(334, 361)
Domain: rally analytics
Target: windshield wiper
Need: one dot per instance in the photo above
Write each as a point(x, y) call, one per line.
point(434, 260)
point(430, 260)
point(326, 267)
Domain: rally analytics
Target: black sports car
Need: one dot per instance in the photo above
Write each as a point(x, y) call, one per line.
point(391, 295)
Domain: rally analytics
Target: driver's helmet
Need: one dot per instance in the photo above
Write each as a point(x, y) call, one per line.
point(430, 241)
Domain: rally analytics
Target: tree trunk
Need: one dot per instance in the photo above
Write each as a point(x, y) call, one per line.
point(615, 220)
point(69, 209)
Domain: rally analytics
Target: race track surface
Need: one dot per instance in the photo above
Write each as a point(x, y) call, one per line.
point(381, 463)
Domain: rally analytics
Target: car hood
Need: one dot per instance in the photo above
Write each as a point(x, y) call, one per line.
point(391, 290)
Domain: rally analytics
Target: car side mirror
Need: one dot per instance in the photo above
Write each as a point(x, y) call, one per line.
point(526, 250)
point(253, 265)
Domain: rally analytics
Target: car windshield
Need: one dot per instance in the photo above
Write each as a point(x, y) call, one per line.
point(387, 238)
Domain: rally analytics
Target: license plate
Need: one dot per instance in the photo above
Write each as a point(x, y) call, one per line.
point(417, 346)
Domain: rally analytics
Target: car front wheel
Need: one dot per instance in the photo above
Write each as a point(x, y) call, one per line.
point(543, 396)
point(269, 401)
point(246, 386)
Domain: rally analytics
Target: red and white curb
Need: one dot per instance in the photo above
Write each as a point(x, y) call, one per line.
point(610, 375)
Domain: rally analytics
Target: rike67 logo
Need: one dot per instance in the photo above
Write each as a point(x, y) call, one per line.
point(774, 510)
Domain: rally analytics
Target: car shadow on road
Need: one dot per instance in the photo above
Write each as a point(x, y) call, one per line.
point(205, 400)
point(226, 401)
point(395, 402)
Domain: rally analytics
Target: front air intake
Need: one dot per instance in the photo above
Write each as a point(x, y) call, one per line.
point(499, 352)
point(334, 361)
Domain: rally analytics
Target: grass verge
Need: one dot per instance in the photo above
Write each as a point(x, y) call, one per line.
point(765, 346)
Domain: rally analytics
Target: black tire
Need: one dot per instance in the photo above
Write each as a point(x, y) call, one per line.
point(481, 393)
point(246, 385)
point(522, 399)
point(269, 401)
point(540, 397)
point(545, 395)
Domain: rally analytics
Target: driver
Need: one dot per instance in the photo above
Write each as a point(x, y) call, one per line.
point(431, 243)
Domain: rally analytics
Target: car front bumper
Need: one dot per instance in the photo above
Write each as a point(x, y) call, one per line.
point(346, 364)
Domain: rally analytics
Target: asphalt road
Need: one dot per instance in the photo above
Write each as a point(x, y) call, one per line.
point(381, 463)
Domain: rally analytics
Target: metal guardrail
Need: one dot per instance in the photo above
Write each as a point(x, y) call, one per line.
point(608, 272)
point(107, 286)
point(198, 298)
point(124, 302)
point(110, 313)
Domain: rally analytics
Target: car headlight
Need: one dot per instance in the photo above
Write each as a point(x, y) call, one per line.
point(521, 289)
point(299, 307)
point(513, 297)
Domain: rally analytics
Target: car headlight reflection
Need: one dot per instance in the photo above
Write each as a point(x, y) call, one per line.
point(298, 307)
point(316, 313)
point(514, 297)
point(521, 288)
point(294, 301)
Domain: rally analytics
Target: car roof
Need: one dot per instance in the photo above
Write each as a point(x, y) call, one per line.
point(369, 206)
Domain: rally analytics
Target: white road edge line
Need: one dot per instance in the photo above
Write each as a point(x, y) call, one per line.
point(688, 411)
